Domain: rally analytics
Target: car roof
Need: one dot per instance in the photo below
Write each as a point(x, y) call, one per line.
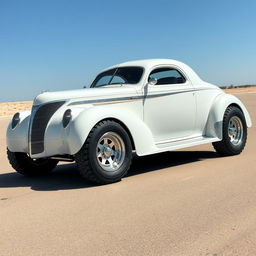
point(147, 63)
point(150, 63)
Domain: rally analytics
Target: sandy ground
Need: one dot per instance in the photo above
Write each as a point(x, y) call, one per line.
point(10, 108)
point(189, 202)
point(241, 90)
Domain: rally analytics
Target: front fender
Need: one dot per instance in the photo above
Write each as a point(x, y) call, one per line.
point(81, 126)
point(215, 119)
point(17, 138)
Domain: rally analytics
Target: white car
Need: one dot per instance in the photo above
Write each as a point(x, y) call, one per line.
point(146, 106)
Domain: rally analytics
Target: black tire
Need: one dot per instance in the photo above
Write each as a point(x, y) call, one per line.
point(86, 159)
point(27, 166)
point(225, 146)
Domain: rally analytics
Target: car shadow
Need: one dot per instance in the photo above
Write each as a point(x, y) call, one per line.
point(65, 176)
point(167, 159)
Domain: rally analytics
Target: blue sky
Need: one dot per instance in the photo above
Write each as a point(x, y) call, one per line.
point(61, 45)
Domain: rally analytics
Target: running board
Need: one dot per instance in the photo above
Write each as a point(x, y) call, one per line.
point(192, 141)
point(185, 143)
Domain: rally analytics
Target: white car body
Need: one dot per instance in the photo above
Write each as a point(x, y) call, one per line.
point(158, 118)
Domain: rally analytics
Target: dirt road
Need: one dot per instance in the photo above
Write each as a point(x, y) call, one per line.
point(189, 202)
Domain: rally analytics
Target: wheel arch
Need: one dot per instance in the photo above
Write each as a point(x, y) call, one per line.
point(213, 127)
point(123, 126)
point(235, 105)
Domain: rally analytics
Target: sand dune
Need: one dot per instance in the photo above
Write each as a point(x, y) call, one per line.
point(10, 108)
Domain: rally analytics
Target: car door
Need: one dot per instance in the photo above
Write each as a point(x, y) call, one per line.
point(169, 105)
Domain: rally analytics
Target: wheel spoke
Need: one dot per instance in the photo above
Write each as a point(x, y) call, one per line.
point(110, 151)
point(110, 162)
point(235, 130)
point(113, 153)
point(111, 144)
point(104, 160)
point(100, 147)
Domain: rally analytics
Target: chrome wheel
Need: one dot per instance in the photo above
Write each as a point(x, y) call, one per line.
point(235, 130)
point(110, 151)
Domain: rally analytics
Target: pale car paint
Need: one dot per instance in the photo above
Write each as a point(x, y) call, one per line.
point(158, 117)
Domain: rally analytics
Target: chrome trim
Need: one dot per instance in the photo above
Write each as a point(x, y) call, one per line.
point(125, 99)
point(63, 159)
point(178, 139)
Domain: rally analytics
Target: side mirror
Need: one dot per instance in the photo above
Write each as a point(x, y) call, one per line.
point(152, 81)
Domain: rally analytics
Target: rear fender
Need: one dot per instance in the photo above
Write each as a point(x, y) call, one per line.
point(214, 123)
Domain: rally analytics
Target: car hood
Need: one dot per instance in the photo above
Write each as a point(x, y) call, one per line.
point(87, 93)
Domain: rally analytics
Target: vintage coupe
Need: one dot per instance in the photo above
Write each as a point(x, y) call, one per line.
point(146, 106)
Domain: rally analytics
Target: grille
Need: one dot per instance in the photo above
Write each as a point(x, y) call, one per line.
point(39, 124)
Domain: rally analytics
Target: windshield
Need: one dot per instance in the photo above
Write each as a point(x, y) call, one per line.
point(122, 75)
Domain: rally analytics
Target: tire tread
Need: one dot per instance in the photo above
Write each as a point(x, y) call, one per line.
point(20, 163)
point(222, 147)
point(83, 162)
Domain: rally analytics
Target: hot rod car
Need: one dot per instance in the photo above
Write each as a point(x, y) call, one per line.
point(146, 106)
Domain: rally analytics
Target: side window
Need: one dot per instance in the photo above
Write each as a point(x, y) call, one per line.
point(103, 80)
point(117, 80)
point(167, 76)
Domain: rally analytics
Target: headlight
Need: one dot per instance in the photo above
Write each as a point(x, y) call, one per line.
point(66, 118)
point(15, 120)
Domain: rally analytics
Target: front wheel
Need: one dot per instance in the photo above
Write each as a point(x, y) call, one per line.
point(27, 166)
point(106, 155)
point(234, 133)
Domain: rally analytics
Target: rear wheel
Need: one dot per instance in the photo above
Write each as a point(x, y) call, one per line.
point(27, 166)
point(106, 155)
point(234, 133)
